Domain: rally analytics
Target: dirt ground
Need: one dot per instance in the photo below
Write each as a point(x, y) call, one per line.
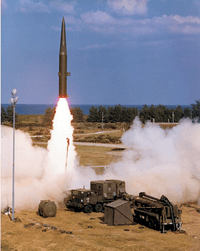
point(80, 231)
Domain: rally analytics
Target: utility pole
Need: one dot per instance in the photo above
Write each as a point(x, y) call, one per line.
point(13, 101)
point(173, 117)
point(102, 121)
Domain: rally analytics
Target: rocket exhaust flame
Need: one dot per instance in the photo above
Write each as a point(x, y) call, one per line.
point(61, 137)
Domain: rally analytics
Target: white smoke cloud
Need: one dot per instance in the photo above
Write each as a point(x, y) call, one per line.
point(41, 174)
point(29, 168)
point(162, 162)
point(155, 161)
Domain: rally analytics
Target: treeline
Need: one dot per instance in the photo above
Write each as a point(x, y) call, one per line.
point(118, 113)
point(158, 113)
point(112, 114)
point(7, 114)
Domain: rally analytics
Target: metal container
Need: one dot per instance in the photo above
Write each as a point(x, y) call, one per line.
point(47, 208)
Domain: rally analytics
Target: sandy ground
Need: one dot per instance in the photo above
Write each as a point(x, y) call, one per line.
point(80, 231)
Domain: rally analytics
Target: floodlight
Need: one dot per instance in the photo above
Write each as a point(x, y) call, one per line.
point(14, 92)
point(12, 101)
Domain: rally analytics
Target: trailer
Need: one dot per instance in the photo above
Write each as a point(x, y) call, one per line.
point(159, 214)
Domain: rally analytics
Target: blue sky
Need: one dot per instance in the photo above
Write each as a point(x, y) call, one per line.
point(119, 51)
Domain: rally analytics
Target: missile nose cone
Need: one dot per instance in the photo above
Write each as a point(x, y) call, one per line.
point(63, 38)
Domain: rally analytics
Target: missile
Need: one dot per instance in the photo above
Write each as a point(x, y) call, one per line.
point(63, 64)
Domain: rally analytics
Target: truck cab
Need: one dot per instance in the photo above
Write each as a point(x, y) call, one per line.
point(81, 197)
point(100, 193)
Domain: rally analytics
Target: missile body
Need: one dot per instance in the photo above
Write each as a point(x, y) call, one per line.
point(63, 64)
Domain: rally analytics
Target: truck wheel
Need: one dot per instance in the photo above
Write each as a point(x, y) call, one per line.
point(156, 225)
point(151, 223)
point(68, 205)
point(98, 207)
point(88, 209)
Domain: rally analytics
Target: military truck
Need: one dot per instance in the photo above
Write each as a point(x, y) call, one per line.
point(100, 193)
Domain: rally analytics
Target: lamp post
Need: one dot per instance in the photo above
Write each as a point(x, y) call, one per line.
point(13, 101)
point(102, 121)
point(173, 117)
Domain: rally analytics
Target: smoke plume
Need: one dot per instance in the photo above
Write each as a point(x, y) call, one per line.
point(155, 161)
point(158, 161)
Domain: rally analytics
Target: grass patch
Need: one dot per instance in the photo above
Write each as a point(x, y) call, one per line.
point(99, 237)
point(102, 138)
point(167, 126)
point(31, 118)
point(95, 156)
point(108, 137)
point(40, 144)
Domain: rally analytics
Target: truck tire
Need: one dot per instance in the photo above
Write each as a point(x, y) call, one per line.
point(151, 222)
point(156, 225)
point(88, 209)
point(68, 205)
point(98, 207)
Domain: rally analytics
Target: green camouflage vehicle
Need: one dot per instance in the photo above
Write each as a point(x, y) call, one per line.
point(101, 192)
point(159, 214)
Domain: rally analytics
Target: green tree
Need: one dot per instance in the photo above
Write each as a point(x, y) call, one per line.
point(124, 114)
point(196, 109)
point(178, 114)
point(153, 114)
point(3, 115)
point(9, 111)
point(118, 113)
point(103, 112)
point(48, 115)
point(78, 115)
point(93, 115)
point(144, 114)
point(131, 113)
point(163, 113)
point(160, 113)
point(111, 114)
point(187, 112)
